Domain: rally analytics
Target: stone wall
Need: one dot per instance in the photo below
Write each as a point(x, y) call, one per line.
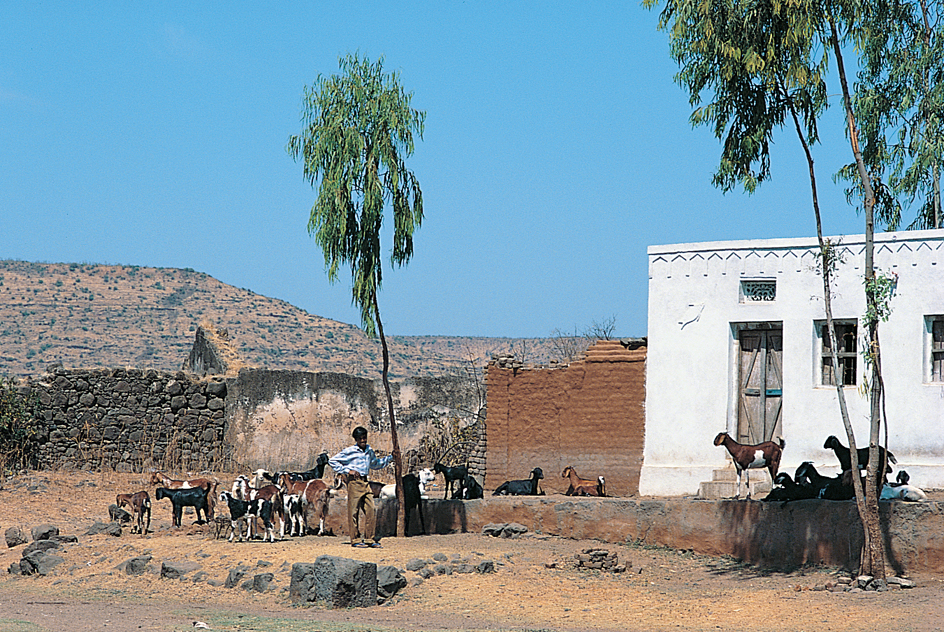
point(130, 419)
point(589, 414)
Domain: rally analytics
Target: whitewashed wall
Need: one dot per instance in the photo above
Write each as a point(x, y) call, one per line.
point(691, 382)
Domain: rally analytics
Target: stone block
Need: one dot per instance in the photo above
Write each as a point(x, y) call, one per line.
point(14, 537)
point(335, 581)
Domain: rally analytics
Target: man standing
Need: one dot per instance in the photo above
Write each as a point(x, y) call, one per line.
point(355, 463)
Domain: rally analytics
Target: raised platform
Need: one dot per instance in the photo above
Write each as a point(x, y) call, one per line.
point(768, 534)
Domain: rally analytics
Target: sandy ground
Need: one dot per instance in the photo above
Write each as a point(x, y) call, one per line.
point(536, 586)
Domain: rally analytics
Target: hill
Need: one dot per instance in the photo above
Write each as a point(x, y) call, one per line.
point(90, 315)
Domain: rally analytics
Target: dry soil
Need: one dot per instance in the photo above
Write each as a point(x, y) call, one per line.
point(537, 586)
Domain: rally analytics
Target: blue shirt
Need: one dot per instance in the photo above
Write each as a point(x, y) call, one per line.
point(353, 458)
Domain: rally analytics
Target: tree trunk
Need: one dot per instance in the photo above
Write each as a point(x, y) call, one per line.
point(397, 458)
point(873, 554)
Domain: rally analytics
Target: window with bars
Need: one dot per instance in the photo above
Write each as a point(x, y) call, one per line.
point(846, 351)
point(937, 348)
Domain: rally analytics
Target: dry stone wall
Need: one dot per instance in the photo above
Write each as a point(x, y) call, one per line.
point(130, 419)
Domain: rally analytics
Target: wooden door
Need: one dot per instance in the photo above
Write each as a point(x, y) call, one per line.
point(760, 385)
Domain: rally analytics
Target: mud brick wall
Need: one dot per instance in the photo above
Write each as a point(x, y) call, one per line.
point(589, 414)
point(130, 419)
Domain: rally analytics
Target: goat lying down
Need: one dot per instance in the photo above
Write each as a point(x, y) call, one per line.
point(747, 457)
point(582, 486)
point(902, 490)
point(528, 487)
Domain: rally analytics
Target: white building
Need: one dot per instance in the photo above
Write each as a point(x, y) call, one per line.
point(736, 344)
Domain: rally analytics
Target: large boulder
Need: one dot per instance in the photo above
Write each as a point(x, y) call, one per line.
point(15, 537)
point(335, 581)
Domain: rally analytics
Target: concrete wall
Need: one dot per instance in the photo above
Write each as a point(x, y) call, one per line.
point(588, 414)
point(695, 310)
point(767, 534)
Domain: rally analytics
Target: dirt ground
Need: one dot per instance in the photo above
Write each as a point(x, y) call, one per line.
point(536, 586)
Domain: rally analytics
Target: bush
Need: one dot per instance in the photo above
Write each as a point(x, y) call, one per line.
point(19, 427)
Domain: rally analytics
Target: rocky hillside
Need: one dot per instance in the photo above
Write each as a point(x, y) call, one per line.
point(87, 316)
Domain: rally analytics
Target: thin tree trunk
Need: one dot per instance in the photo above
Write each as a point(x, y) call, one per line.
point(397, 458)
point(873, 559)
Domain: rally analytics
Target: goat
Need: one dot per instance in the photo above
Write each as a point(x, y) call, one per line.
point(845, 459)
point(159, 478)
point(471, 489)
point(273, 494)
point(787, 489)
point(312, 494)
point(746, 457)
point(195, 497)
point(582, 486)
point(451, 475)
point(140, 505)
point(901, 490)
point(245, 511)
point(413, 498)
point(308, 475)
point(294, 517)
point(826, 487)
point(527, 487)
point(426, 476)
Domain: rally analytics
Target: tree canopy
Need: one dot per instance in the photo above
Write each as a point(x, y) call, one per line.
point(358, 130)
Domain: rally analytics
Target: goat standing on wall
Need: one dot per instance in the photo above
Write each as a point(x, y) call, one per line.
point(747, 457)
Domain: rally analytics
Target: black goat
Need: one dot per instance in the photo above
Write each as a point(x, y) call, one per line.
point(471, 489)
point(787, 489)
point(845, 458)
point(528, 487)
point(826, 487)
point(411, 499)
point(452, 475)
point(241, 511)
point(195, 497)
point(315, 473)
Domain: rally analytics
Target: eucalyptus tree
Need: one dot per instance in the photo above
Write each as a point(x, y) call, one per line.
point(358, 129)
point(900, 108)
point(762, 65)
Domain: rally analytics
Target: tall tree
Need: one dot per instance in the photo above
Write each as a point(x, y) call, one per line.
point(899, 103)
point(357, 131)
point(763, 65)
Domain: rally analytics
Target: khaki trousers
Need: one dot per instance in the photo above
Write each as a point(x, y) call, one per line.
point(360, 498)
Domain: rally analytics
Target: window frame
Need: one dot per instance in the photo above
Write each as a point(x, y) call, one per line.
point(846, 330)
point(935, 333)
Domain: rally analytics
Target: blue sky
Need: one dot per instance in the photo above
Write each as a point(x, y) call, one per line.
point(557, 148)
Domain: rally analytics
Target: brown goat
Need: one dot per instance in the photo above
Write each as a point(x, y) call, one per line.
point(140, 505)
point(746, 457)
point(582, 486)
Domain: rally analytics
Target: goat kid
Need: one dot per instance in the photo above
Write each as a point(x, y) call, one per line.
point(747, 457)
point(786, 489)
point(195, 497)
point(582, 486)
point(140, 505)
point(901, 490)
point(528, 487)
point(313, 496)
point(241, 511)
point(471, 489)
point(454, 476)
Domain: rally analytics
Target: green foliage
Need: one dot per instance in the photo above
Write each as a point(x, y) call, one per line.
point(758, 64)
point(881, 288)
point(19, 427)
point(899, 104)
point(358, 130)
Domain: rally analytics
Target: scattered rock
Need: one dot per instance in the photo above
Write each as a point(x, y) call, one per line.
point(443, 569)
point(176, 570)
point(107, 528)
point(15, 537)
point(136, 565)
point(464, 568)
point(416, 564)
point(504, 530)
point(234, 577)
point(44, 532)
point(485, 566)
point(117, 514)
point(259, 583)
point(389, 581)
point(336, 581)
point(599, 559)
point(440, 557)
